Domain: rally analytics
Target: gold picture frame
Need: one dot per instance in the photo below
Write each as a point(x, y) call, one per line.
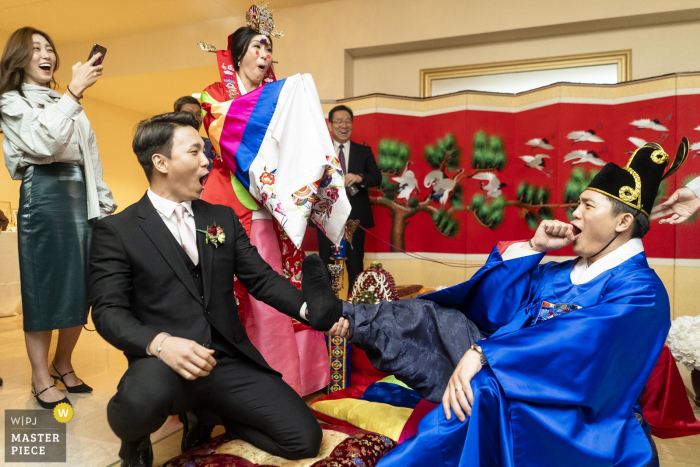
point(622, 58)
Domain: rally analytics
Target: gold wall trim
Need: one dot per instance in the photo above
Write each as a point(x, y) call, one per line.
point(621, 58)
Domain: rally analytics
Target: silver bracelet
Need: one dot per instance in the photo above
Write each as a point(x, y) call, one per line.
point(160, 345)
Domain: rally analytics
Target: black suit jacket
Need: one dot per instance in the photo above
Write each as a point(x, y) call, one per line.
point(140, 286)
point(362, 163)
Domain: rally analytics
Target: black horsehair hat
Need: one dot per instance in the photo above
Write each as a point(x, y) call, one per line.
point(637, 183)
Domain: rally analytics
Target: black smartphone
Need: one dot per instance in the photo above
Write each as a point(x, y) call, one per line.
point(97, 48)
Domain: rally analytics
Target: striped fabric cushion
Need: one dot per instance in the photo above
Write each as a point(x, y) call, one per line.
point(387, 407)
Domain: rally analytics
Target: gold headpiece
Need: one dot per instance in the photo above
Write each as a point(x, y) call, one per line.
point(259, 19)
point(206, 47)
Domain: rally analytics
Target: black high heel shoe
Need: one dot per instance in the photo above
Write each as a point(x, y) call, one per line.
point(80, 388)
point(48, 405)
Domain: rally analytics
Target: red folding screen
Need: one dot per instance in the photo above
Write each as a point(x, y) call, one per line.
point(484, 191)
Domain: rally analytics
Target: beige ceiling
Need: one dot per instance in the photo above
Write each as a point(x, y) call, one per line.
point(153, 93)
point(152, 53)
point(78, 20)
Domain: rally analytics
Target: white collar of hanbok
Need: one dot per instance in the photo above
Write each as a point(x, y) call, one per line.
point(241, 87)
point(582, 273)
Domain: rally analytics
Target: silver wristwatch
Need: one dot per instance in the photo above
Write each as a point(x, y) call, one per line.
point(477, 348)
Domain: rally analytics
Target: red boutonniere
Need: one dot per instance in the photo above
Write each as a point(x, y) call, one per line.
point(214, 235)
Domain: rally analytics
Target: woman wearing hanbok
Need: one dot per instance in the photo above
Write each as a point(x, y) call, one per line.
point(290, 347)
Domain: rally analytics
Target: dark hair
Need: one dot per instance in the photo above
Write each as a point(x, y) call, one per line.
point(338, 108)
point(641, 221)
point(240, 40)
point(155, 136)
point(18, 52)
point(184, 100)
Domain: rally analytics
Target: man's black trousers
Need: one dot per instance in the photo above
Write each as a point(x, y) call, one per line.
point(254, 403)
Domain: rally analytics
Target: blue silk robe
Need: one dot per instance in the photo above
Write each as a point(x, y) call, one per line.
point(559, 391)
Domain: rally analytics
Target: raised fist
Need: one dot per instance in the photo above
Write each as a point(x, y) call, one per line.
point(553, 235)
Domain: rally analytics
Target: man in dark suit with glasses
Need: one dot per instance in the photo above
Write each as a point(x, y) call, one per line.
point(361, 173)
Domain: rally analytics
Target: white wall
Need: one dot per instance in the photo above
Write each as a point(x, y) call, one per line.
point(656, 50)
point(513, 83)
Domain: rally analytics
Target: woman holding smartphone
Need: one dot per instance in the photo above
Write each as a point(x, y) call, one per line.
point(50, 146)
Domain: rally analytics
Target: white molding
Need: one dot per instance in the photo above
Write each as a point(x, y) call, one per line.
point(665, 261)
point(434, 256)
point(469, 257)
point(481, 258)
point(688, 91)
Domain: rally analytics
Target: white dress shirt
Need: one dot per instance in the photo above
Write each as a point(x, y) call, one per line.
point(166, 211)
point(694, 186)
point(582, 272)
point(346, 153)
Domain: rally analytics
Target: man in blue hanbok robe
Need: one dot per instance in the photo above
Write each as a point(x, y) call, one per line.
point(538, 364)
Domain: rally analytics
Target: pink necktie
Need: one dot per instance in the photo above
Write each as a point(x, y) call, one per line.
point(186, 236)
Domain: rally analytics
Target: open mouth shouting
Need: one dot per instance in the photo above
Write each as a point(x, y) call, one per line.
point(577, 230)
point(45, 67)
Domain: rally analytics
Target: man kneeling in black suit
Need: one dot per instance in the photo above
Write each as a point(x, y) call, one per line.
point(164, 295)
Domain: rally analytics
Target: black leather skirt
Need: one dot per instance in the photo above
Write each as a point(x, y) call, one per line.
point(54, 240)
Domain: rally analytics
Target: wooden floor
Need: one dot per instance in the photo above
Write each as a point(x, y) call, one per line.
point(91, 441)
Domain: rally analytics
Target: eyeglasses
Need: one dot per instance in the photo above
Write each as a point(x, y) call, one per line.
point(197, 115)
point(341, 122)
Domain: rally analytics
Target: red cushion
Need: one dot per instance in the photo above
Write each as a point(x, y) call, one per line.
point(363, 373)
